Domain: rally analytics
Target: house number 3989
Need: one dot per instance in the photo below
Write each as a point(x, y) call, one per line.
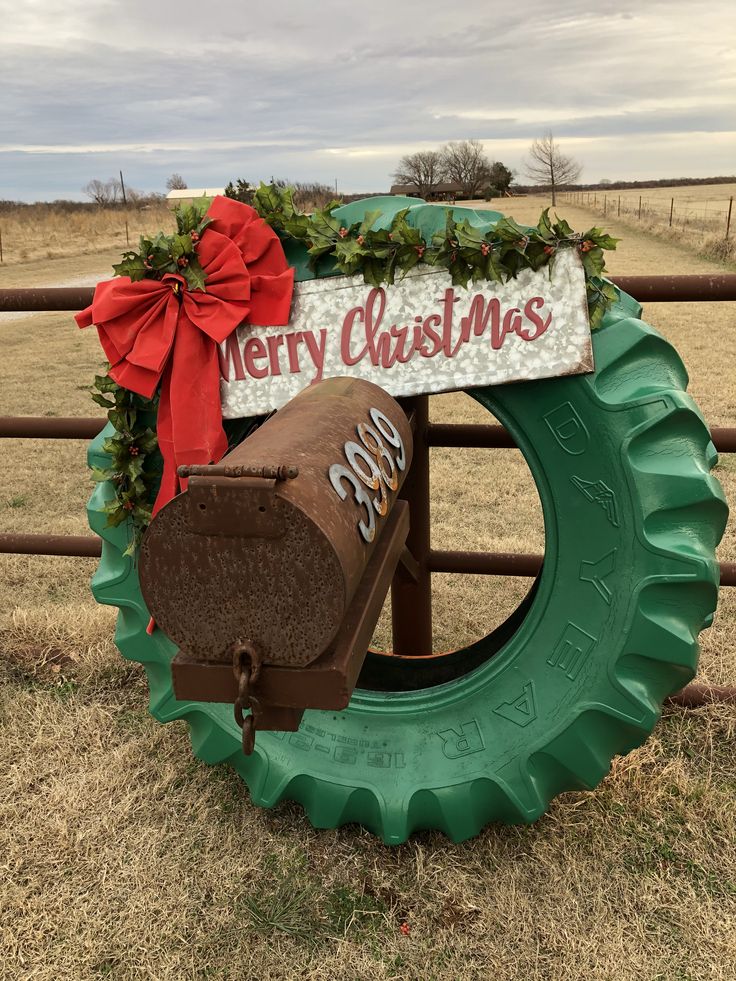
point(375, 462)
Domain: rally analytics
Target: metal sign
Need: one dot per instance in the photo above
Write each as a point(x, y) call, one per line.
point(421, 335)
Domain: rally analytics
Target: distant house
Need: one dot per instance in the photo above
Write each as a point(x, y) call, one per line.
point(444, 191)
point(189, 194)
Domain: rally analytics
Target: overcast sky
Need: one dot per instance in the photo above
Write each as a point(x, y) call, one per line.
point(339, 91)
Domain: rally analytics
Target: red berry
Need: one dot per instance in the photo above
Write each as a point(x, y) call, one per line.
point(181, 263)
point(195, 237)
point(405, 929)
point(485, 248)
point(419, 250)
point(134, 451)
point(587, 245)
point(343, 232)
point(128, 505)
point(360, 240)
point(549, 249)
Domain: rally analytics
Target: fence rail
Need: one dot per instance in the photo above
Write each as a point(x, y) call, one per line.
point(650, 289)
point(653, 289)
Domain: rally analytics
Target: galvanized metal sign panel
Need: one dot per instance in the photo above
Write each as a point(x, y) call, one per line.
point(419, 336)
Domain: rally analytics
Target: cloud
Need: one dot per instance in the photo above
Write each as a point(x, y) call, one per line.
point(327, 91)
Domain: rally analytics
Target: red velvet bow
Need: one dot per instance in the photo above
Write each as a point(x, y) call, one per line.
point(155, 331)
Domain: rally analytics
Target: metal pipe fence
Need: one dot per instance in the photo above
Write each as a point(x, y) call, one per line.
point(717, 287)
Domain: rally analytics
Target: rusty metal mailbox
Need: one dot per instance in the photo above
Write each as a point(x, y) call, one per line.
point(270, 570)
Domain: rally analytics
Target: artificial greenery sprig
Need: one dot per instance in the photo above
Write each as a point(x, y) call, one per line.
point(175, 253)
point(130, 449)
point(468, 252)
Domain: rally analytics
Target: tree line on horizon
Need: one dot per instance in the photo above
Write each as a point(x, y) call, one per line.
point(463, 163)
point(466, 165)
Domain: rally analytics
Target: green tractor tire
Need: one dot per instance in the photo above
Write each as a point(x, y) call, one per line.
point(621, 460)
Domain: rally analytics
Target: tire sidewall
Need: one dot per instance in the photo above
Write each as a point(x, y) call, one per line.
point(567, 659)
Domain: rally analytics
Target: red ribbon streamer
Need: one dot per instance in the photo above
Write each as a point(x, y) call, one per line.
point(159, 330)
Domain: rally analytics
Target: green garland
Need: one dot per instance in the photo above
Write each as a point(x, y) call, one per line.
point(175, 253)
point(379, 255)
point(133, 469)
point(467, 252)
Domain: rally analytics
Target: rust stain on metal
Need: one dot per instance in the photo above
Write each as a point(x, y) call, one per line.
point(326, 683)
point(276, 561)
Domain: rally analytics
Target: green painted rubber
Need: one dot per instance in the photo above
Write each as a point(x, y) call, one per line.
point(632, 515)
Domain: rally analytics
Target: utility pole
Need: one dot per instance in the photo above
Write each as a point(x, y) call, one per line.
point(122, 188)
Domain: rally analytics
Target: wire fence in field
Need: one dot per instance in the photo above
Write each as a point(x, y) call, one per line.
point(712, 216)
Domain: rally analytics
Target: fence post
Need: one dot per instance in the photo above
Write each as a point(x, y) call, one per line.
point(411, 600)
point(728, 220)
point(640, 207)
point(1, 244)
point(618, 213)
point(127, 236)
point(672, 208)
point(605, 202)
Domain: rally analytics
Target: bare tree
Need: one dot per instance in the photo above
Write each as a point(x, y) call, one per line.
point(421, 170)
point(176, 183)
point(549, 167)
point(103, 192)
point(466, 163)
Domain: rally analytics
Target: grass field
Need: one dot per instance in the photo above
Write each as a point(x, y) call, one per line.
point(45, 231)
point(123, 857)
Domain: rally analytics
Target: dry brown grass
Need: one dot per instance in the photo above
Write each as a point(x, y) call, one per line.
point(43, 231)
point(123, 857)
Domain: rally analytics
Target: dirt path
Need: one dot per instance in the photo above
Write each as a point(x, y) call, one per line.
point(81, 270)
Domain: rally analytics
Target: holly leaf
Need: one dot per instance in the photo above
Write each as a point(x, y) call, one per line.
point(561, 228)
point(593, 262)
point(601, 239)
point(544, 226)
point(147, 442)
point(468, 236)
point(194, 274)
point(181, 245)
point(371, 217)
point(297, 226)
point(142, 514)
point(494, 269)
point(121, 421)
point(324, 224)
point(373, 271)
point(103, 383)
point(132, 266)
point(101, 400)
point(274, 204)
